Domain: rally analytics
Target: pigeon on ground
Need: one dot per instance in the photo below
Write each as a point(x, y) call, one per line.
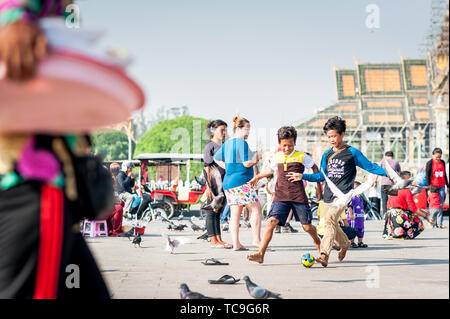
point(185, 293)
point(171, 244)
point(137, 240)
point(204, 236)
point(194, 226)
point(164, 219)
point(127, 234)
point(180, 227)
point(343, 199)
point(399, 183)
point(258, 292)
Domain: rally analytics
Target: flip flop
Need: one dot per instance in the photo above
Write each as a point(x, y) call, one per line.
point(223, 246)
point(213, 262)
point(218, 246)
point(241, 249)
point(224, 280)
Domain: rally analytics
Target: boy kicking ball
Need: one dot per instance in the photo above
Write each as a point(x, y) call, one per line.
point(289, 165)
point(339, 163)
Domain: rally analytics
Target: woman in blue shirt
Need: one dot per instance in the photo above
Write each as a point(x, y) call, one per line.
point(238, 159)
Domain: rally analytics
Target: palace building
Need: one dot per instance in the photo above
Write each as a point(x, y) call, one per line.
point(386, 107)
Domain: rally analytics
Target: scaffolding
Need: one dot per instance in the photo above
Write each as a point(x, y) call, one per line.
point(386, 108)
point(438, 77)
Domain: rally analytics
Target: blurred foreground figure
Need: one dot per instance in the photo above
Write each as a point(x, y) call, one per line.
point(48, 183)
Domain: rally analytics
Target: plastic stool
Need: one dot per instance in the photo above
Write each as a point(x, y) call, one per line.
point(94, 228)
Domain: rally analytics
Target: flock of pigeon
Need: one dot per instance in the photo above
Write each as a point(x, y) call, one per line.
point(254, 290)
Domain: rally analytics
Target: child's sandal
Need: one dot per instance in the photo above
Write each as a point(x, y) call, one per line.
point(362, 245)
point(353, 245)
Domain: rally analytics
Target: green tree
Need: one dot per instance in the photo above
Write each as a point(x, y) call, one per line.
point(185, 134)
point(112, 145)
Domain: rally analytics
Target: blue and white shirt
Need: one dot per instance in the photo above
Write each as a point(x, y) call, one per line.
point(341, 170)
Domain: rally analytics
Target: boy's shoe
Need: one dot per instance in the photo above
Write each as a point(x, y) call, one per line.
point(278, 229)
point(353, 245)
point(362, 245)
point(225, 227)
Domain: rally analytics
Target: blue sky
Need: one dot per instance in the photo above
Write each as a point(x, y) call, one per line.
point(271, 60)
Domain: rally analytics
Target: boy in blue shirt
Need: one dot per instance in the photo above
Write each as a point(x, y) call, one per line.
point(339, 163)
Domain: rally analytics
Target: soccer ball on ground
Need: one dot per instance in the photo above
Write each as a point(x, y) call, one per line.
point(308, 260)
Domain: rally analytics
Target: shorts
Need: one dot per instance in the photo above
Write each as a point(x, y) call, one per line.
point(280, 210)
point(241, 195)
point(358, 225)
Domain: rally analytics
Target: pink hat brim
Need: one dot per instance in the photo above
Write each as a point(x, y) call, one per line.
point(71, 93)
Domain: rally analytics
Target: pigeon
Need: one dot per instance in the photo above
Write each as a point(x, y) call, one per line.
point(185, 293)
point(127, 234)
point(258, 292)
point(180, 227)
point(399, 182)
point(172, 244)
point(164, 219)
point(204, 236)
point(137, 240)
point(343, 199)
point(194, 226)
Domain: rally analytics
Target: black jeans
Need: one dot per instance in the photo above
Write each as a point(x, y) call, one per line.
point(384, 200)
point(146, 199)
point(212, 222)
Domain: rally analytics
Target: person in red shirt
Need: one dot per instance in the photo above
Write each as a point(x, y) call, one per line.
point(114, 220)
point(434, 202)
point(402, 218)
point(437, 177)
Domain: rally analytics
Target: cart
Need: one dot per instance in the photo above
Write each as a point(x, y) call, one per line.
point(174, 199)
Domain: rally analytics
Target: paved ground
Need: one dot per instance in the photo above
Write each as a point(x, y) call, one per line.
point(416, 268)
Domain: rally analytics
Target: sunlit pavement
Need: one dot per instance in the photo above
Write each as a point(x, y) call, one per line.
point(416, 268)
